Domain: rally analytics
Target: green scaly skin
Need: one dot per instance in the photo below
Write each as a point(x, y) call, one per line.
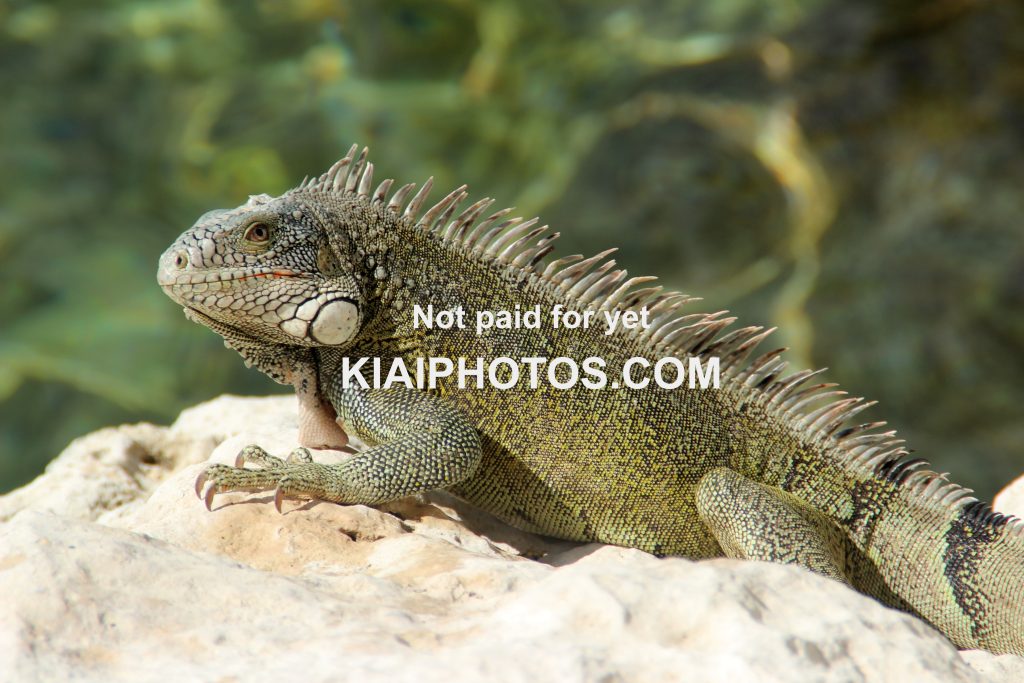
point(765, 467)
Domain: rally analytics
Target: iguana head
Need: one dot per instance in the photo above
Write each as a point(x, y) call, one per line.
point(279, 277)
point(264, 273)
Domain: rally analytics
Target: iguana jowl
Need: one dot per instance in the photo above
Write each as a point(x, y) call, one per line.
point(765, 467)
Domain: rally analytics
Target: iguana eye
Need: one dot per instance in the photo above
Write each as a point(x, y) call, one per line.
point(257, 233)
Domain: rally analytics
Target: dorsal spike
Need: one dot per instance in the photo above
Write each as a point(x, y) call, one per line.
point(528, 257)
point(555, 265)
point(398, 199)
point(813, 395)
point(382, 191)
point(781, 387)
point(569, 277)
point(364, 182)
point(510, 252)
point(795, 396)
point(697, 336)
point(447, 213)
point(857, 432)
point(750, 375)
point(460, 224)
point(739, 355)
point(512, 235)
point(413, 209)
point(356, 171)
point(450, 200)
point(684, 322)
point(825, 415)
point(486, 241)
point(665, 308)
point(603, 286)
point(724, 345)
point(546, 247)
point(584, 283)
point(480, 228)
point(616, 297)
point(641, 296)
point(338, 174)
point(848, 414)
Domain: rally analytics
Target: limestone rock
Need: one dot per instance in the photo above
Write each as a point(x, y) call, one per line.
point(111, 569)
point(1011, 499)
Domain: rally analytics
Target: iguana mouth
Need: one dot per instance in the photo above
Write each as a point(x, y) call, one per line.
point(168, 278)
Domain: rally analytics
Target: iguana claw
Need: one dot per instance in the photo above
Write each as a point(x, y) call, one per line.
point(200, 481)
point(206, 497)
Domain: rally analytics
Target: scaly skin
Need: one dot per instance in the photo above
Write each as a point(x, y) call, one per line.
point(763, 467)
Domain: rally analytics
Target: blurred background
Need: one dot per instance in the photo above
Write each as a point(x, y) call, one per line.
point(851, 172)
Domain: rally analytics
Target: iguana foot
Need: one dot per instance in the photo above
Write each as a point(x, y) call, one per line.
point(297, 475)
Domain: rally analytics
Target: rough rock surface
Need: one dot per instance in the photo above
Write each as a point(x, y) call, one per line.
point(111, 569)
point(1011, 499)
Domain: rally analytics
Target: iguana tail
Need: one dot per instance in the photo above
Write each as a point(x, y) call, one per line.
point(849, 503)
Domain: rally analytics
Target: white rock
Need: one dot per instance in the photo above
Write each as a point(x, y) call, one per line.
point(995, 667)
point(228, 415)
point(1011, 499)
point(112, 570)
point(103, 471)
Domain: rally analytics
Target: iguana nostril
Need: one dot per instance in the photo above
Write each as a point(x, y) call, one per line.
point(180, 260)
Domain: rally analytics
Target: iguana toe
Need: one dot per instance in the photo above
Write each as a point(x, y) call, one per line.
point(300, 455)
point(259, 457)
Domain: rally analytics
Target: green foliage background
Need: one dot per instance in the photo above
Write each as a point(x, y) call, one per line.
point(851, 172)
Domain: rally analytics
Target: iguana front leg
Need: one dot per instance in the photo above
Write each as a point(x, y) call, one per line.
point(418, 443)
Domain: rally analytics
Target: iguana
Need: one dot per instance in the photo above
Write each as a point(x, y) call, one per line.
point(767, 466)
